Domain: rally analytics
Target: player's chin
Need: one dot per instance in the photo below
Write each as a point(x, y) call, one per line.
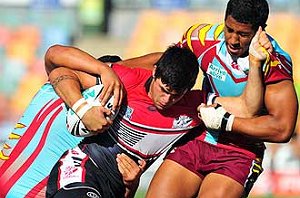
point(238, 52)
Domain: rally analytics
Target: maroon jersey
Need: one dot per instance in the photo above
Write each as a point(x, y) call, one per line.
point(226, 79)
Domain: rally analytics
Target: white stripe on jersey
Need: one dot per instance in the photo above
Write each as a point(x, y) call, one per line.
point(143, 141)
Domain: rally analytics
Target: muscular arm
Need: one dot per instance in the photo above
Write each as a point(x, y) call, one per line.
point(77, 59)
point(250, 102)
point(74, 58)
point(147, 61)
point(67, 84)
point(278, 125)
point(232, 108)
point(280, 100)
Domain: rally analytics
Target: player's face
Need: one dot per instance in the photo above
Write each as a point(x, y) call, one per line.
point(162, 96)
point(237, 36)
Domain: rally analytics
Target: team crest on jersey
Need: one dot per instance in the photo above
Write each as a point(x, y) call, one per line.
point(216, 72)
point(128, 112)
point(182, 122)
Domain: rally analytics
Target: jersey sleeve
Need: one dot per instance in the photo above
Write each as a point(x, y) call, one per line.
point(201, 37)
point(279, 65)
point(203, 40)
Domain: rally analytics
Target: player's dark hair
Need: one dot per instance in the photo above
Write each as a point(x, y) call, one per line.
point(109, 58)
point(177, 68)
point(254, 12)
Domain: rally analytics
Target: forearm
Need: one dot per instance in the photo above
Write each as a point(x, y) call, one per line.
point(250, 102)
point(130, 192)
point(67, 86)
point(276, 125)
point(73, 58)
point(265, 128)
point(147, 61)
point(279, 123)
point(253, 94)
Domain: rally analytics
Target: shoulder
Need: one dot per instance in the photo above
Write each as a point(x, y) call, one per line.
point(278, 49)
point(201, 36)
point(131, 76)
point(205, 30)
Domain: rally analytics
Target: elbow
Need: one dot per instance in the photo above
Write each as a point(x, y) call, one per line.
point(50, 55)
point(54, 49)
point(283, 135)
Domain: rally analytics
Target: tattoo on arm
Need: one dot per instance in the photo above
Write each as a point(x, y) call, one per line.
point(57, 80)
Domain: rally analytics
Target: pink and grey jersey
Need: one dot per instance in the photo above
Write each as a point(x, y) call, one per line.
point(140, 128)
point(226, 77)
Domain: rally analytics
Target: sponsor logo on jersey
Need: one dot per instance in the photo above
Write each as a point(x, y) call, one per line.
point(182, 122)
point(216, 72)
point(69, 172)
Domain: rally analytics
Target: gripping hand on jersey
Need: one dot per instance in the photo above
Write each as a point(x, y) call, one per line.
point(260, 46)
point(131, 173)
point(216, 117)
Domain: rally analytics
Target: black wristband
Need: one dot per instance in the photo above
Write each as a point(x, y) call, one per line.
point(213, 99)
point(224, 121)
point(218, 105)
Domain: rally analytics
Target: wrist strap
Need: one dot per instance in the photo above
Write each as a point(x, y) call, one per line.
point(227, 122)
point(230, 123)
point(77, 104)
point(83, 110)
point(211, 98)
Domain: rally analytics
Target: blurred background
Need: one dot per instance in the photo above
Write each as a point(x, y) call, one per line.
point(130, 28)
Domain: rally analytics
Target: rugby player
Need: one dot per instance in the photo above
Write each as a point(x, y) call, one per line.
point(155, 113)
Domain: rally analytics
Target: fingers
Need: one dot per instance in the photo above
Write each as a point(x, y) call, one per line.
point(105, 94)
point(95, 119)
point(115, 89)
point(265, 42)
point(259, 46)
point(121, 95)
point(257, 34)
point(118, 94)
point(201, 105)
point(142, 164)
point(128, 168)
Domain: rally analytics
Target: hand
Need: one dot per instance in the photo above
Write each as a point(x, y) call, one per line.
point(112, 86)
point(259, 46)
point(130, 171)
point(265, 42)
point(95, 119)
point(216, 117)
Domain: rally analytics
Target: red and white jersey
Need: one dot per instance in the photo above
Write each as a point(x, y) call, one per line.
point(224, 78)
point(140, 128)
